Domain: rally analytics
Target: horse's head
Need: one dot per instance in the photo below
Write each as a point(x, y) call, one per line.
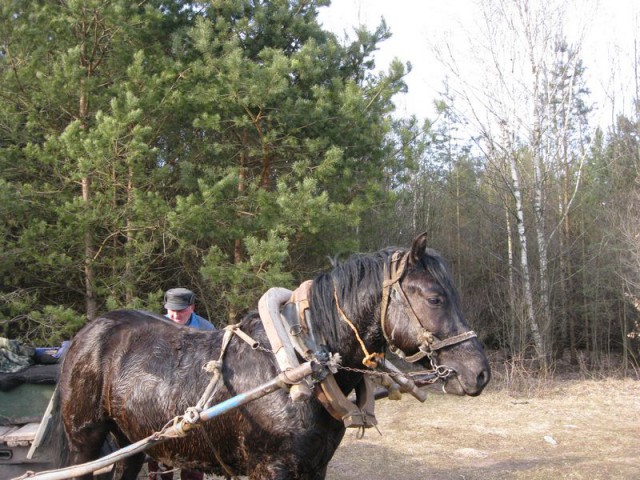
point(422, 320)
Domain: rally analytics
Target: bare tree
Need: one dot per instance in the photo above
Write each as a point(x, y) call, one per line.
point(519, 99)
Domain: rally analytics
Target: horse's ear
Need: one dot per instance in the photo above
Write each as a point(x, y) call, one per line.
point(418, 247)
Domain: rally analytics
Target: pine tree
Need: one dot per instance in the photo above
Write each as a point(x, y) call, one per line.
point(226, 146)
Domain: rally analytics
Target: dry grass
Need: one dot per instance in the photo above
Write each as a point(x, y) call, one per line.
point(578, 429)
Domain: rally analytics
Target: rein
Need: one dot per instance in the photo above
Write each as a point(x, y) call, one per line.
point(370, 359)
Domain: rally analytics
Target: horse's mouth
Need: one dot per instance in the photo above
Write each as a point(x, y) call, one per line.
point(454, 385)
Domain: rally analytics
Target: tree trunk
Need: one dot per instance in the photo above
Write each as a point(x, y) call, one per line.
point(570, 321)
point(524, 262)
point(89, 248)
point(242, 179)
point(89, 252)
point(513, 326)
point(538, 159)
point(129, 273)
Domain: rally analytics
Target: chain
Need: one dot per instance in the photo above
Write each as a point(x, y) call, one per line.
point(259, 346)
point(439, 372)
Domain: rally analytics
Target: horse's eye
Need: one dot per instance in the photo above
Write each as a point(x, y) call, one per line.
point(434, 301)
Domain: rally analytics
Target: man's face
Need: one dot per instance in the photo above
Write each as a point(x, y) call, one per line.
point(180, 316)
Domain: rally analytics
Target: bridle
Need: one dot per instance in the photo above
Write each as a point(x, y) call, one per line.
point(428, 342)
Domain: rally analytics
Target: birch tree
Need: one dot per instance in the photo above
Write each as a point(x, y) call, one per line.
point(512, 99)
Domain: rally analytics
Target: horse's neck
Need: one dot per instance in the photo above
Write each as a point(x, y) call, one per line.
point(358, 338)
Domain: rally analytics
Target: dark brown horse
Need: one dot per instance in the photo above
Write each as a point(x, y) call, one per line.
point(128, 372)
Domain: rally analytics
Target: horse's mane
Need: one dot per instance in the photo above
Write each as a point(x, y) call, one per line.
point(438, 269)
point(358, 285)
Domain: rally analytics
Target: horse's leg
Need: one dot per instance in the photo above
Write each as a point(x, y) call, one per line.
point(321, 474)
point(276, 471)
point(97, 444)
point(85, 446)
point(132, 466)
point(129, 468)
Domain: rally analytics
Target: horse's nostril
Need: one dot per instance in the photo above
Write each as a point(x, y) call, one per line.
point(483, 378)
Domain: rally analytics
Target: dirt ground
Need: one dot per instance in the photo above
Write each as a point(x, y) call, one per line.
point(574, 429)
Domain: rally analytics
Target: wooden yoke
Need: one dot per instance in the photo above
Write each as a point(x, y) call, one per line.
point(359, 414)
point(405, 385)
point(269, 310)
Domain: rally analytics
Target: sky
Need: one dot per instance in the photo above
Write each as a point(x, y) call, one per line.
point(610, 28)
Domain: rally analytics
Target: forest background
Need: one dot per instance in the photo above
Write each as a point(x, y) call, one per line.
point(235, 145)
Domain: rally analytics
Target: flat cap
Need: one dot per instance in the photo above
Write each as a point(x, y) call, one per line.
point(178, 298)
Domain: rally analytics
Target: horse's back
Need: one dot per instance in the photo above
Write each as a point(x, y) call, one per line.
point(108, 339)
point(127, 360)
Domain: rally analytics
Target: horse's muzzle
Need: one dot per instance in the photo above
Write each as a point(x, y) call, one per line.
point(468, 383)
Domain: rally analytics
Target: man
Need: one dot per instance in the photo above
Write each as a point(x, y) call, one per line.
point(180, 306)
